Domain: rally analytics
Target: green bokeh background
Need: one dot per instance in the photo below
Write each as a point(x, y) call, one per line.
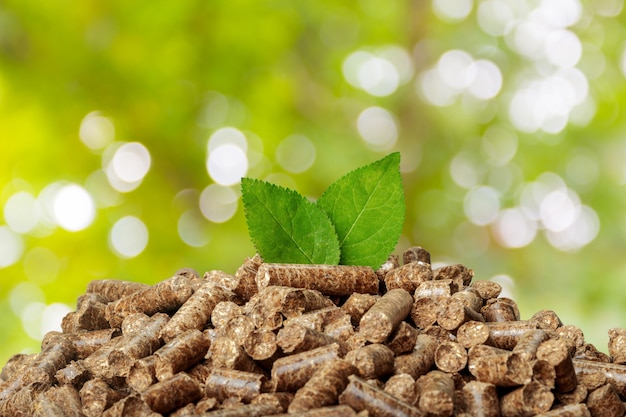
point(153, 68)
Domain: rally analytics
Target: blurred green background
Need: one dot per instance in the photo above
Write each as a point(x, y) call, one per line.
point(125, 127)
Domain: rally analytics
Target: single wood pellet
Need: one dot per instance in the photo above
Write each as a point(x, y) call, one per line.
point(316, 341)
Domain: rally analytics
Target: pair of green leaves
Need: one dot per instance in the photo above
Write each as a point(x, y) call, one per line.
point(356, 221)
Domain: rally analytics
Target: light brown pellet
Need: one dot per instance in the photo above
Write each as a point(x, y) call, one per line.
point(570, 410)
point(245, 276)
point(224, 311)
point(297, 338)
point(453, 272)
point(165, 296)
point(572, 335)
point(196, 310)
point(454, 313)
point(142, 373)
point(361, 395)
point(384, 316)
point(403, 387)
point(543, 373)
point(500, 309)
point(409, 276)
point(291, 372)
point(372, 361)
point(357, 304)
point(503, 369)
point(390, 264)
point(317, 319)
point(487, 289)
point(555, 352)
point(526, 401)
point(90, 312)
point(74, 374)
point(327, 279)
point(617, 345)
point(132, 405)
point(420, 360)
point(96, 396)
point(324, 386)
point(605, 402)
point(226, 353)
point(403, 339)
point(245, 410)
point(470, 298)
point(436, 394)
point(450, 357)
point(238, 328)
point(261, 344)
point(166, 396)
point(589, 352)
point(232, 384)
point(480, 399)
point(440, 288)
point(340, 329)
point(330, 411)
point(506, 334)
point(425, 311)
point(576, 396)
point(472, 333)
point(528, 343)
point(86, 343)
point(113, 289)
point(180, 354)
point(279, 400)
point(546, 320)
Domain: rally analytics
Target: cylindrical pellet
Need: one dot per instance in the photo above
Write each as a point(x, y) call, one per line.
point(570, 410)
point(180, 354)
point(605, 402)
point(506, 334)
point(96, 396)
point(357, 304)
point(425, 310)
point(555, 352)
point(292, 372)
point(546, 320)
point(384, 316)
point(409, 276)
point(403, 387)
point(403, 339)
point(617, 345)
point(487, 289)
point(372, 361)
point(420, 360)
point(229, 383)
point(416, 254)
point(526, 401)
point(436, 394)
point(454, 271)
point(529, 342)
point(450, 357)
point(454, 313)
point(501, 369)
point(480, 399)
point(500, 309)
point(297, 338)
point(166, 396)
point(327, 279)
point(361, 395)
point(324, 386)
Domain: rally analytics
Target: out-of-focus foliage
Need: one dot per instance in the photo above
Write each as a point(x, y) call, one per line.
point(125, 127)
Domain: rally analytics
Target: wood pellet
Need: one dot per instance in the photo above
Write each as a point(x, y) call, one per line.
point(314, 340)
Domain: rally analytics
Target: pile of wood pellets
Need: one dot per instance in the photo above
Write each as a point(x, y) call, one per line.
point(314, 340)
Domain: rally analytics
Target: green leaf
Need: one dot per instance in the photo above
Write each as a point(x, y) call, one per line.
point(285, 227)
point(367, 208)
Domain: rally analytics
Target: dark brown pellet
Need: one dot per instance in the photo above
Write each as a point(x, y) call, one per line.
point(572, 335)
point(330, 411)
point(390, 264)
point(589, 352)
point(324, 386)
point(409, 276)
point(327, 279)
point(605, 402)
point(74, 374)
point(245, 410)
point(279, 400)
point(416, 254)
point(363, 396)
point(576, 396)
point(543, 373)
point(384, 316)
point(90, 312)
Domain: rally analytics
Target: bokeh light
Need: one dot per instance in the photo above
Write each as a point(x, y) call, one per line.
point(73, 208)
point(378, 128)
point(96, 131)
point(295, 154)
point(20, 212)
point(218, 203)
point(128, 237)
point(11, 247)
point(127, 166)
